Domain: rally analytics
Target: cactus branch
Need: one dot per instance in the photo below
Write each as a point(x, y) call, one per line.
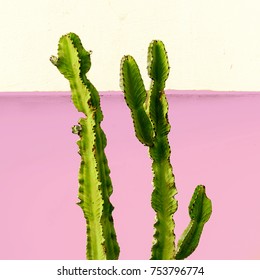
point(150, 117)
point(95, 185)
point(200, 209)
point(154, 118)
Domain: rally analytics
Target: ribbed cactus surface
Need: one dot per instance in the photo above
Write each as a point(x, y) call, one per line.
point(149, 110)
point(95, 187)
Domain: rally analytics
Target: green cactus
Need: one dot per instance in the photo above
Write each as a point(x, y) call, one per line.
point(95, 185)
point(149, 112)
point(199, 210)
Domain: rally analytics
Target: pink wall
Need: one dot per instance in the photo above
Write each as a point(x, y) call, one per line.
point(215, 141)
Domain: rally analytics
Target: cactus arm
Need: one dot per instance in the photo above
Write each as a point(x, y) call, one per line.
point(112, 247)
point(163, 201)
point(149, 113)
point(135, 95)
point(90, 197)
point(158, 65)
point(95, 185)
point(200, 210)
point(69, 61)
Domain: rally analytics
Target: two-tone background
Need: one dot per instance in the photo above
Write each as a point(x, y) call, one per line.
point(214, 99)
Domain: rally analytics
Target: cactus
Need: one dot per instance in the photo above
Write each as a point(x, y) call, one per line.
point(199, 211)
point(95, 185)
point(149, 112)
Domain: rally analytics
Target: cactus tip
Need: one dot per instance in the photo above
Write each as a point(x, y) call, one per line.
point(54, 60)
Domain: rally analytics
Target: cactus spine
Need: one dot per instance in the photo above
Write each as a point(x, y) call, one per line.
point(95, 185)
point(149, 112)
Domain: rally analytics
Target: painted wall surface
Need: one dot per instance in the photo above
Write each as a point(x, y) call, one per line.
point(215, 140)
point(212, 44)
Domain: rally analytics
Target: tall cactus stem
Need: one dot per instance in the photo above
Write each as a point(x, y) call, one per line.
point(149, 111)
point(95, 187)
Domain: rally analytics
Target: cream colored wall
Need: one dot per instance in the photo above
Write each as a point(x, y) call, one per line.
point(211, 44)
